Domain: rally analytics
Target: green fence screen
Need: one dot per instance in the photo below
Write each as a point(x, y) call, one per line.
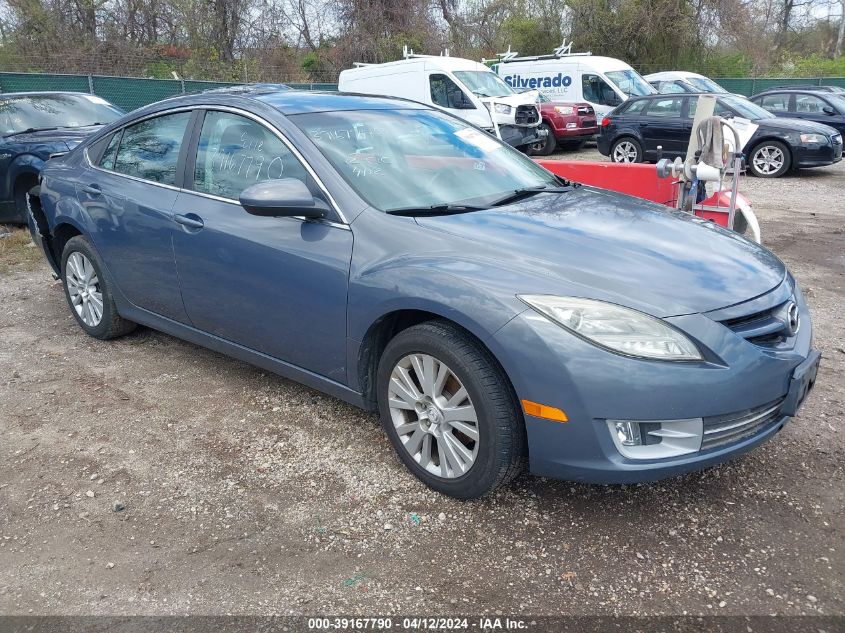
point(126, 92)
point(130, 92)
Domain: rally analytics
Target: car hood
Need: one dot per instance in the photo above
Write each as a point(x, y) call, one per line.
point(69, 136)
point(599, 244)
point(784, 124)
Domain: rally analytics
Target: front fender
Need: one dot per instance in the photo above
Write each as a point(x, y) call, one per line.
point(23, 164)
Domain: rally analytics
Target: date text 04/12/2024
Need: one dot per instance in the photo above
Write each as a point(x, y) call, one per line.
point(416, 623)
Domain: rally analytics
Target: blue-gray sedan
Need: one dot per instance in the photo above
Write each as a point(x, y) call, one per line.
point(394, 256)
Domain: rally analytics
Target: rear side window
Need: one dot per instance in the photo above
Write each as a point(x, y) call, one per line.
point(635, 107)
point(665, 107)
point(235, 152)
point(775, 102)
point(107, 159)
point(150, 149)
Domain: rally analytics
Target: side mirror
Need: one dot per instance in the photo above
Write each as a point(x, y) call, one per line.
point(286, 197)
point(829, 110)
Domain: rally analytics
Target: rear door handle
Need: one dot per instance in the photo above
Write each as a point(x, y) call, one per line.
point(192, 221)
point(93, 190)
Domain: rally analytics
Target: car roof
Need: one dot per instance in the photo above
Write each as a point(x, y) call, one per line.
point(45, 93)
point(285, 100)
point(807, 87)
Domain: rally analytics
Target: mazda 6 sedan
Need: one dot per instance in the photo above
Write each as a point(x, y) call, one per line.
point(398, 258)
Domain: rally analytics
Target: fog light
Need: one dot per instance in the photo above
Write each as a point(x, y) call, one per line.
point(628, 433)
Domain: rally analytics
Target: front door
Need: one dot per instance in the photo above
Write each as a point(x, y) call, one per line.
point(130, 194)
point(274, 285)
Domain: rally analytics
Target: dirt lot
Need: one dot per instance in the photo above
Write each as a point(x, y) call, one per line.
point(246, 493)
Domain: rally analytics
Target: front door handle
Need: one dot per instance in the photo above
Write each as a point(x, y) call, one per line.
point(93, 190)
point(192, 221)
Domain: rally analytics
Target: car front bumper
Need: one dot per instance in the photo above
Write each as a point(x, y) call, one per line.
point(549, 365)
point(818, 155)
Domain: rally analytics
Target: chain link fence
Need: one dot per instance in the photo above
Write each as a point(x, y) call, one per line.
point(131, 92)
point(125, 92)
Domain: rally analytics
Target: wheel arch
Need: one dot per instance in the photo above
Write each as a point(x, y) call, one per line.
point(755, 143)
point(386, 327)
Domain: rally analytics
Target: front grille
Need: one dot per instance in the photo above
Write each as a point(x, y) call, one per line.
point(767, 328)
point(526, 115)
point(725, 429)
point(585, 110)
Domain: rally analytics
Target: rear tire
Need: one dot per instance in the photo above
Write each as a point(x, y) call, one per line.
point(547, 147)
point(88, 291)
point(626, 150)
point(417, 414)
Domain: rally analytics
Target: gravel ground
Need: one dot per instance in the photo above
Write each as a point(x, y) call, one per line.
point(150, 476)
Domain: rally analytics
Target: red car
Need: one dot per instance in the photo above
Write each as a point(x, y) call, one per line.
point(568, 124)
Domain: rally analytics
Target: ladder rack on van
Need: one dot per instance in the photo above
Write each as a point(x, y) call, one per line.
point(564, 50)
point(408, 53)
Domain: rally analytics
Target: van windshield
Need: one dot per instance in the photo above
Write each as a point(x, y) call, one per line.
point(400, 159)
point(484, 83)
point(630, 83)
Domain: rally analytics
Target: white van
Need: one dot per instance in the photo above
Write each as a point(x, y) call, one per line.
point(463, 87)
point(603, 82)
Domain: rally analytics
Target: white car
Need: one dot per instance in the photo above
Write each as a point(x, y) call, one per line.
point(682, 81)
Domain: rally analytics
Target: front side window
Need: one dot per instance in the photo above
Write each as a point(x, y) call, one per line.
point(484, 83)
point(630, 82)
point(46, 112)
point(150, 149)
point(597, 90)
point(446, 93)
point(235, 152)
point(665, 107)
point(741, 107)
point(809, 104)
point(398, 159)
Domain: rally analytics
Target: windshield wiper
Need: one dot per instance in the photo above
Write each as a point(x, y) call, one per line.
point(436, 209)
point(519, 194)
point(30, 130)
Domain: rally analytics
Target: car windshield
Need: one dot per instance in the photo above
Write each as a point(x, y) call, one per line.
point(746, 109)
point(38, 112)
point(402, 159)
point(630, 82)
point(484, 83)
point(704, 84)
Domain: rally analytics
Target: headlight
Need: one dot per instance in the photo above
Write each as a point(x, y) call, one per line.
point(564, 109)
point(806, 139)
point(616, 328)
point(502, 108)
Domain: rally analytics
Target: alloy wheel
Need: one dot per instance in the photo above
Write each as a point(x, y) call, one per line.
point(433, 415)
point(83, 286)
point(768, 159)
point(625, 152)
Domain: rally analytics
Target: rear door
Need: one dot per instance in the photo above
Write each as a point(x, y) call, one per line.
point(662, 126)
point(274, 285)
point(129, 194)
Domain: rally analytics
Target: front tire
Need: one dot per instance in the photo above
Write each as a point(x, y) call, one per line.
point(769, 159)
point(88, 293)
point(449, 411)
point(626, 150)
point(548, 146)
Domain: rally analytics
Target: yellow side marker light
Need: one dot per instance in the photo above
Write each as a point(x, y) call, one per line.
point(544, 411)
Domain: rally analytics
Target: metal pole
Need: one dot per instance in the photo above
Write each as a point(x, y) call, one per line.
point(90, 84)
